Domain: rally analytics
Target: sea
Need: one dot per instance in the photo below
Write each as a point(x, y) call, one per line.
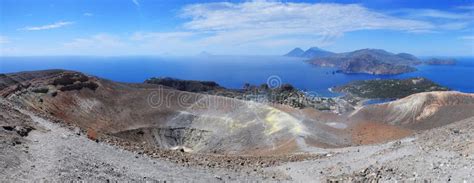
point(235, 71)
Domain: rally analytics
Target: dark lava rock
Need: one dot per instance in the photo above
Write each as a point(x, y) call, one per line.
point(70, 78)
point(185, 85)
point(40, 90)
point(79, 86)
point(68, 81)
point(20, 130)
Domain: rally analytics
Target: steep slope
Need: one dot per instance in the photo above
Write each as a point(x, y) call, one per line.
point(297, 52)
point(420, 111)
point(315, 52)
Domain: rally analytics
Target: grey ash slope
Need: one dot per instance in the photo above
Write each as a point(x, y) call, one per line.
point(53, 152)
point(57, 153)
point(439, 155)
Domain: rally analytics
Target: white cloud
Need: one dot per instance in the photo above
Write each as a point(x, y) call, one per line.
point(432, 13)
point(266, 27)
point(470, 38)
point(46, 27)
point(88, 14)
point(468, 7)
point(459, 19)
point(4, 40)
point(300, 18)
point(454, 25)
point(250, 27)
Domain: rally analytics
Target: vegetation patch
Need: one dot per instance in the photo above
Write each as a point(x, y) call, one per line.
point(390, 88)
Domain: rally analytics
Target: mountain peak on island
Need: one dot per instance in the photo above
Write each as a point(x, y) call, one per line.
point(312, 52)
point(297, 52)
point(315, 49)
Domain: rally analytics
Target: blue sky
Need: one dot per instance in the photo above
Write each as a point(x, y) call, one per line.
point(188, 27)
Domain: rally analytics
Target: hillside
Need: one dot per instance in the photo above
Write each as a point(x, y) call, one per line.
point(369, 61)
point(312, 52)
point(297, 52)
point(420, 111)
point(389, 88)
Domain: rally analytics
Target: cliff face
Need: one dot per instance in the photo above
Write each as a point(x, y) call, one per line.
point(369, 61)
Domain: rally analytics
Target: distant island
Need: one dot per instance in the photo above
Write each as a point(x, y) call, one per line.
point(368, 61)
point(439, 61)
point(309, 53)
point(388, 88)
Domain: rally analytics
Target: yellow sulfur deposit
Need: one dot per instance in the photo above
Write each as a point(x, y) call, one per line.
point(278, 120)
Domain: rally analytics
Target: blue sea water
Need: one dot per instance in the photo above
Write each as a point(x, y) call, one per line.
point(377, 101)
point(234, 71)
